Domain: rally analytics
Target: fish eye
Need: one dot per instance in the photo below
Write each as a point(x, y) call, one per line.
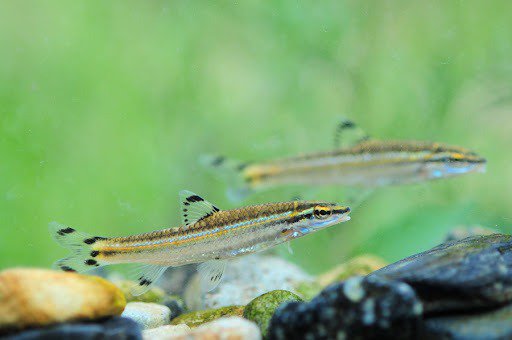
point(322, 212)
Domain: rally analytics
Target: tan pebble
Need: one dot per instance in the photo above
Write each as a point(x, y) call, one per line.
point(167, 332)
point(38, 297)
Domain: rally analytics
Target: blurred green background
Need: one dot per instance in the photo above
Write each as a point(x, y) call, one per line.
point(105, 107)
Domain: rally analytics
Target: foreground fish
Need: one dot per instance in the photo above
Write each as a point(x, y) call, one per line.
point(208, 236)
point(365, 162)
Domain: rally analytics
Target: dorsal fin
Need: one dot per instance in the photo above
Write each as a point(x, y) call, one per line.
point(194, 208)
point(348, 134)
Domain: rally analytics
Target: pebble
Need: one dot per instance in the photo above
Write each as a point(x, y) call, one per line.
point(111, 328)
point(196, 318)
point(462, 275)
point(261, 309)
point(358, 308)
point(165, 332)
point(38, 297)
point(147, 315)
point(246, 278)
point(485, 325)
point(361, 265)
point(232, 328)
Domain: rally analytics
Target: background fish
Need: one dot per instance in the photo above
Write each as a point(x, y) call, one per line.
point(208, 236)
point(357, 160)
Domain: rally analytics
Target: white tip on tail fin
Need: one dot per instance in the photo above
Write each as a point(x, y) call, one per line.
point(83, 255)
point(230, 171)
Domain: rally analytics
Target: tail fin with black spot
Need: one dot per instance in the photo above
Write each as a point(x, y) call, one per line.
point(83, 255)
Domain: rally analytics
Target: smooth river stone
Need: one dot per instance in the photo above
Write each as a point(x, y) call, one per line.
point(463, 275)
point(358, 308)
point(38, 297)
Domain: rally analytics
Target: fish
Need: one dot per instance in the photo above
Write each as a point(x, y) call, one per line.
point(207, 236)
point(360, 162)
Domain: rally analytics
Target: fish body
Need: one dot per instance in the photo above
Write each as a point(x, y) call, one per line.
point(370, 163)
point(208, 235)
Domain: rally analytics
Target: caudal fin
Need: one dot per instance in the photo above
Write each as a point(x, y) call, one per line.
point(83, 255)
point(230, 171)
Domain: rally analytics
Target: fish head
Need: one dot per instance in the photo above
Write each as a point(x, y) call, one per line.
point(446, 161)
point(313, 216)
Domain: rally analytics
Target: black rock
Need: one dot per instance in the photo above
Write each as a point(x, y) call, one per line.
point(465, 275)
point(491, 325)
point(177, 306)
point(116, 328)
point(359, 308)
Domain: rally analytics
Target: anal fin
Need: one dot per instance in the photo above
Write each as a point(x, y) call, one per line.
point(211, 273)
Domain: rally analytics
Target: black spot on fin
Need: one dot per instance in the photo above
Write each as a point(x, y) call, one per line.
point(64, 231)
point(348, 134)
point(145, 275)
point(195, 208)
point(211, 273)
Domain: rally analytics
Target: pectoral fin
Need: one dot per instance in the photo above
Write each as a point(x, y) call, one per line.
point(211, 273)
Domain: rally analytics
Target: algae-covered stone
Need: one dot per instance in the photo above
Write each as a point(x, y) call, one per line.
point(361, 265)
point(261, 309)
point(308, 289)
point(463, 275)
point(39, 297)
point(462, 232)
point(194, 319)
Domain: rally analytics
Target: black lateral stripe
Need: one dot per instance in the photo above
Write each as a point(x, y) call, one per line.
point(341, 211)
point(109, 252)
point(299, 218)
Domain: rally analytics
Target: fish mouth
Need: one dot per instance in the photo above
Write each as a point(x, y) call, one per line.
point(345, 218)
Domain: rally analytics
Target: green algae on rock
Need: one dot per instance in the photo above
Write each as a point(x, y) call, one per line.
point(153, 295)
point(361, 265)
point(261, 309)
point(308, 289)
point(194, 319)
